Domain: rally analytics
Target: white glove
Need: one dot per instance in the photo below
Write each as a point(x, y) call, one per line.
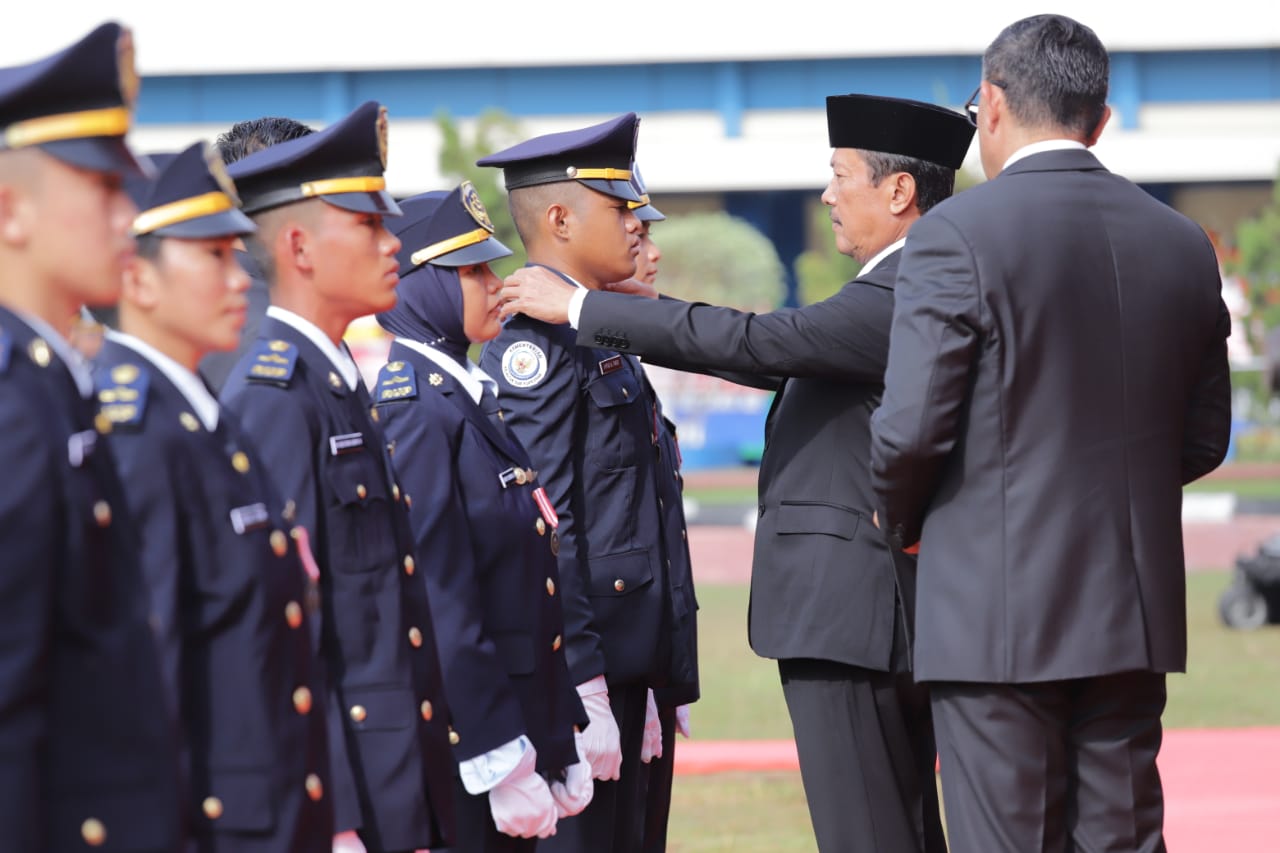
point(574, 793)
point(651, 744)
point(601, 743)
point(682, 721)
point(521, 803)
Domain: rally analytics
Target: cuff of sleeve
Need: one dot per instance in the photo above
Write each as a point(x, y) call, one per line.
point(481, 773)
point(594, 686)
point(575, 306)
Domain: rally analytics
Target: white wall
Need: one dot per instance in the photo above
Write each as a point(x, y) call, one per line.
point(271, 35)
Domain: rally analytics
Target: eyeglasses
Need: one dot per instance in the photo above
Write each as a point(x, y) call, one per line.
point(971, 105)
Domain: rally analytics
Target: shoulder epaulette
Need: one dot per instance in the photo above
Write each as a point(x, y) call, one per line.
point(122, 393)
point(272, 361)
point(396, 381)
point(6, 344)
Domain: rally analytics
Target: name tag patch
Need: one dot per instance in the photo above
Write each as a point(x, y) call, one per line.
point(251, 517)
point(347, 443)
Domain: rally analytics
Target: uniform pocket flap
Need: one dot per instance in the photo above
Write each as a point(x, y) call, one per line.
point(515, 649)
point(238, 800)
point(373, 709)
point(609, 391)
point(813, 517)
point(620, 574)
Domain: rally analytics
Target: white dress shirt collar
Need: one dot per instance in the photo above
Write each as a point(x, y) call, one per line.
point(340, 356)
point(470, 377)
point(187, 383)
point(1042, 146)
point(880, 256)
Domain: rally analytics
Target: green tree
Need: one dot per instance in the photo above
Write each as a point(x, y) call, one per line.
point(1258, 259)
point(492, 131)
point(718, 258)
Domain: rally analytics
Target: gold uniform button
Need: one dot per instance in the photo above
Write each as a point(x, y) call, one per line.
point(408, 501)
point(302, 700)
point(315, 788)
point(521, 477)
point(541, 527)
point(102, 513)
point(358, 713)
point(415, 638)
point(212, 807)
point(293, 614)
point(551, 587)
point(102, 423)
point(240, 462)
point(93, 832)
point(335, 380)
point(39, 352)
point(555, 644)
point(395, 491)
point(189, 422)
point(684, 533)
point(279, 544)
point(626, 393)
point(373, 413)
point(427, 711)
point(453, 737)
point(408, 564)
point(290, 511)
point(361, 491)
point(619, 584)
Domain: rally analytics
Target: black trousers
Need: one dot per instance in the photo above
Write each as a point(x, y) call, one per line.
point(475, 831)
point(660, 771)
point(867, 757)
point(1057, 767)
point(614, 822)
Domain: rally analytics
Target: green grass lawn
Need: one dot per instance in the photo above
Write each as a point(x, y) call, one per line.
point(1231, 682)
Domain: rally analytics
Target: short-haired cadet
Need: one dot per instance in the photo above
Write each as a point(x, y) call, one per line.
point(90, 759)
point(319, 203)
point(485, 528)
point(830, 599)
point(228, 587)
point(588, 418)
point(239, 141)
point(1057, 372)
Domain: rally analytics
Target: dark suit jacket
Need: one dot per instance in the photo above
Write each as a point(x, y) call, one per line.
point(388, 740)
point(823, 576)
point(229, 613)
point(1058, 372)
point(488, 562)
point(588, 424)
point(87, 748)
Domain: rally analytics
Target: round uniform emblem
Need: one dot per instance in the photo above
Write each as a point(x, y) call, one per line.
point(471, 201)
point(524, 364)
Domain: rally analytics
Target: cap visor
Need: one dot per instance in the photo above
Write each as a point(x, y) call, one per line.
point(379, 202)
point(649, 213)
point(486, 250)
point(228, 223)
point(98, 154)
point(617, 189)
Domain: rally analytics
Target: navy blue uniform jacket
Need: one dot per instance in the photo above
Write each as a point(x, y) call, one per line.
point(86, 753)
point(388, 738)
point(487, 561)
point(229, 613)
point(588, 419)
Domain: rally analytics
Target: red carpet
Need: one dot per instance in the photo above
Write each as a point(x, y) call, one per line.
point(1222, 792)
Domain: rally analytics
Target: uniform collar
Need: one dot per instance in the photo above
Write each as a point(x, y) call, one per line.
point(187, 383)
point(72, 359)
point(339, 356)
point(880, 256)
point(471, 377)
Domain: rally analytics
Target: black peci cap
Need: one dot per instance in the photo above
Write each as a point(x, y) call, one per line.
point(899, 126)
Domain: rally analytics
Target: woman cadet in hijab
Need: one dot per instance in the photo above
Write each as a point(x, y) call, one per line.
point(485, 533)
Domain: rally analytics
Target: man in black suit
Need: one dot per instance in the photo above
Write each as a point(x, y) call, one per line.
point(1057, 373)
point(823, 600)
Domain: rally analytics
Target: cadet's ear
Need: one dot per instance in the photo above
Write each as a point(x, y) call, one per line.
point(15, 212)
point(557, 217)
point(294, 246)
point(140, 283)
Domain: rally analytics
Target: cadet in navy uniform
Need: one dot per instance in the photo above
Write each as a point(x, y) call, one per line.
point(830, 597)
point(228, 589)
point(88, 763)
point(592, 429)
point(319, 203)
point(486, 532)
